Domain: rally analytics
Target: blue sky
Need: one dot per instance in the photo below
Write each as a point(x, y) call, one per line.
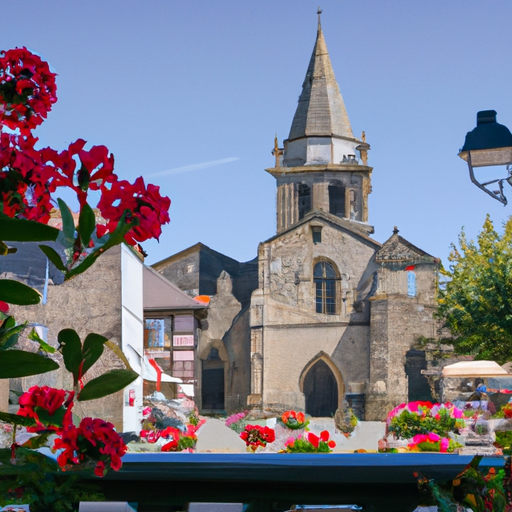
point(200, 88)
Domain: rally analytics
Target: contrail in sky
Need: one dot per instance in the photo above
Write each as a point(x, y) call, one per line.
point(194, 167)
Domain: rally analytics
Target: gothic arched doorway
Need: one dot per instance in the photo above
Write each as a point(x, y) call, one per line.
point(320, 390)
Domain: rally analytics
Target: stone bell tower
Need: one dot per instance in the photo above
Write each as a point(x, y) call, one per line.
point(322, 165)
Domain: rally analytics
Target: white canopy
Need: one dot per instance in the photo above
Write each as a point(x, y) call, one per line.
point(474, 369)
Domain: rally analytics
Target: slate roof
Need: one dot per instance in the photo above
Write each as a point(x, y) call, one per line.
point(397, 250)
point(321, 110)
point(161, 294)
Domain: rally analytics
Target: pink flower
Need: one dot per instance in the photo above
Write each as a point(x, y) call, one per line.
point(445, 443)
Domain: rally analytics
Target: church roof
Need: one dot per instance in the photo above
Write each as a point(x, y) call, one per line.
point(398, 250)
point(321, 110)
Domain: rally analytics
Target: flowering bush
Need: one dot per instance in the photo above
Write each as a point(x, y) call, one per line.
point(310, 443)
point(255, 436)
point(126, 212)
point(176, 440)
point(93, 441)
point(236, 421)
point(507, 410)
point(27, 89)
point(407, 420)
point(294, 420)
point(432, 443)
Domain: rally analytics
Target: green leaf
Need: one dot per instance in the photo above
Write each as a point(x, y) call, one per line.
point(106, 384)
point(71, 348)
point(92, 350)
point(114, 239)
point(68, 223)
point(14, 419)
point(54, 257)
point(15, 292)
point(18, 363)
point(21, 230)
point(10, 332)
point(86, 223)
point(119, 353)
point(42, 344)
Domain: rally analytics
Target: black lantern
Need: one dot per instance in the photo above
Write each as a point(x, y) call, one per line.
point(489, 144)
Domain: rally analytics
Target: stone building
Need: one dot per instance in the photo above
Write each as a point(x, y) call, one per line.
point(333, 314)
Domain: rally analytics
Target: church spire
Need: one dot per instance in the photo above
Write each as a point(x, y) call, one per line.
point(321, 110)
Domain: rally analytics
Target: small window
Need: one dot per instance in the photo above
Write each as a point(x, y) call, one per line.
point(304, 200)
point(337, 199)
point(411, 284)
point(325, 284)
point(317, 234)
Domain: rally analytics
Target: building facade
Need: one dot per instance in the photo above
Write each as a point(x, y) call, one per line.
point(332, 313)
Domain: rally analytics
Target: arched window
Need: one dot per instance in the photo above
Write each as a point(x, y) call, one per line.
point(304, 200)
point(324, 277)
point(411, 284)
point(337, 199)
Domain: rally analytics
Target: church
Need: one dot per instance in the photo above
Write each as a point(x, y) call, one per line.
point(324, 313)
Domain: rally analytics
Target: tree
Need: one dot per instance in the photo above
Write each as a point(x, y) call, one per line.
point(475, 301)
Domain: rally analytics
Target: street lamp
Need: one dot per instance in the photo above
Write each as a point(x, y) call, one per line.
point(489, 144)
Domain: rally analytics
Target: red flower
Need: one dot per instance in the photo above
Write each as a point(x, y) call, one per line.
point(50, 407)
point(27, 89)
point(313, 439)
point(255, 435)
point(93, 440)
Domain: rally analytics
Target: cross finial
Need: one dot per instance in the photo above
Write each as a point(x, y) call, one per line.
point(319, 12)
point(395, 231)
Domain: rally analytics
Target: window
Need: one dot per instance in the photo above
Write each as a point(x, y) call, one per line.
point(324, 277)
point(337, 199)
point(304, 200)
point(411, 284)
point(158, 333)
point(154, 333)
point(317, 234)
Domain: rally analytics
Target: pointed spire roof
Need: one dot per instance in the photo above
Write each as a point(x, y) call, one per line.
point(321, 110)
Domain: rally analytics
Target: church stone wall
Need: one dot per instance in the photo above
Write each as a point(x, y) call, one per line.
point(286, 267)
point(397, 322)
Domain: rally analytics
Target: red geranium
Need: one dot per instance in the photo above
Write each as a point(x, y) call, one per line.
point(255, 435)
point(27, 89)
point(50, 407)
point(94, 440)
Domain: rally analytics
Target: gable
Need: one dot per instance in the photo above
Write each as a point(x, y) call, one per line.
point(398, 250)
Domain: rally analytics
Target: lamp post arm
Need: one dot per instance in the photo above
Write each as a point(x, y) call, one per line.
point(499, 196)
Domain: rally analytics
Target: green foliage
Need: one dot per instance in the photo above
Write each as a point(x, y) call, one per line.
point(15, 292)
point(18, 363)
point(504, 441)
point(22, 230)
point(10, 332)
point(35, 478)
point(106, 384)
point(476, 300)
point(474, 489)
point(407, 424)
